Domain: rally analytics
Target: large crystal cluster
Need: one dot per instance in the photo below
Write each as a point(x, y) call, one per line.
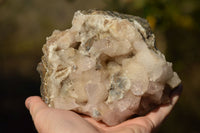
point(105, 66)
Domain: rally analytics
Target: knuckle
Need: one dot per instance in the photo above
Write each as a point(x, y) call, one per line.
point(150, 123)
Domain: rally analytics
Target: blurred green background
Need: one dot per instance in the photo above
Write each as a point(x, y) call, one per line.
point(24, 25)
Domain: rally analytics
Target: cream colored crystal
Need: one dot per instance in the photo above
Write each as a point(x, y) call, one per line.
point(105, 66)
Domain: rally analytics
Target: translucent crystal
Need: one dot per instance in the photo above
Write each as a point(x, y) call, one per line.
point(105, 66)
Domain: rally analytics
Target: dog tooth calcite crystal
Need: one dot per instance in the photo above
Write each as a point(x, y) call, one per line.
point(105, 66)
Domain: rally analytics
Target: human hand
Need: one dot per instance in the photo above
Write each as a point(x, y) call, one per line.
point(50, 120)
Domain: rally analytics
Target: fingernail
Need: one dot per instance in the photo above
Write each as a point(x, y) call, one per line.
point(28, 101)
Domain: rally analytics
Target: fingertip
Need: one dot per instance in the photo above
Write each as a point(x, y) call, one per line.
point(31, 99)
point(159, 114)
point(175, 94)
point(177, 91)
point(27, 102)
point(35, 104)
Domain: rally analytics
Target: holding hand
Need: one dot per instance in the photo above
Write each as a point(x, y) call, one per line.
point(50, 120)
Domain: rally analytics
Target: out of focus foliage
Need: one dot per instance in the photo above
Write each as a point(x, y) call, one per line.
point(168, 17)
point(161, 13)
point(24, 25)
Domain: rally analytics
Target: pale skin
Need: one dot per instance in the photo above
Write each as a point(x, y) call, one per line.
point(50, 120)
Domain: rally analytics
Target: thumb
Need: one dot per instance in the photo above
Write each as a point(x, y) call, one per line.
point(35, 104)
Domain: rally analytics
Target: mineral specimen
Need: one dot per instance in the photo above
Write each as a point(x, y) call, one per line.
point(105, 66)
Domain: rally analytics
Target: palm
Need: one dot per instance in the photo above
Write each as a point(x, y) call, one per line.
point(49, 120)
point(143, 124)
point(140, 124)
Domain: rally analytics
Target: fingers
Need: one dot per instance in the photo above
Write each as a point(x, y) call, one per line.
point(177, 91)
point(35, 104)
point(97, 124)
point(158, 115)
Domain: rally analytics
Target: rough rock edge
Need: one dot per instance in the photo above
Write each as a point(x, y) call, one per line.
point(140, 24)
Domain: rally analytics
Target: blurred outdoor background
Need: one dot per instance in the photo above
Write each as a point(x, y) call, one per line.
point(24, 25)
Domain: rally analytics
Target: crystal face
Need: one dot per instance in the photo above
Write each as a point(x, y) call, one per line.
point(105, 66)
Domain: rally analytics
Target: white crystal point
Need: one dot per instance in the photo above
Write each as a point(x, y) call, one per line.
point(105, 66)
